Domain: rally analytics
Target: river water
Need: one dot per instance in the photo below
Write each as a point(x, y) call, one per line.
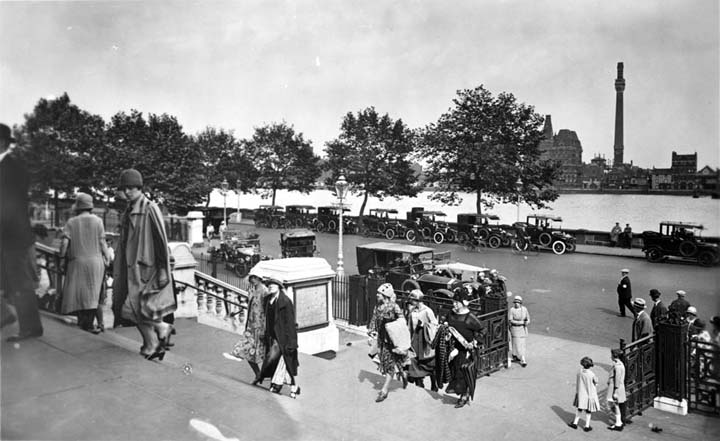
point(589, 211)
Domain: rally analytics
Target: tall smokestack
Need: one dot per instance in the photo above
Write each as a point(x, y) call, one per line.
point(619, 89)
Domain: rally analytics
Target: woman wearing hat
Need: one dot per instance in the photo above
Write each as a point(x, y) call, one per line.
point(518, 320)
point(391, 363)
point(423, 326)
point(85, 250)
point(465, 330)
point(251, 345)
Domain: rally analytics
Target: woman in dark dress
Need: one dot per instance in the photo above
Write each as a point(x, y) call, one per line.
point(465, 330)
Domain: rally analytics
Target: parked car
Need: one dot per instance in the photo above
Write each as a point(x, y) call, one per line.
point(545, 231)
point(679, 240)
point(239, 253)
point(473, 228)
point(328, 217)
point(299, 216)
point(298, 243)
point(270, 216)
point(429, 225)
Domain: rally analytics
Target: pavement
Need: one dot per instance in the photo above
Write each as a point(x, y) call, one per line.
point(70, 384)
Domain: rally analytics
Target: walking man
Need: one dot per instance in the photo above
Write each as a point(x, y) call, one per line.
point(642, 326)
point(659, 311)
point(18, 269)
point(615, 234)
point(624, 291)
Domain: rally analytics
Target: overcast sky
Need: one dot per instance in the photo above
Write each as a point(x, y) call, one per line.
point(237, 65)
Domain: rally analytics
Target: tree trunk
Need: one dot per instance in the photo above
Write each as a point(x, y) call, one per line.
point(362, 211)
point(478, 202)
point(56, 202)
point(274, 190)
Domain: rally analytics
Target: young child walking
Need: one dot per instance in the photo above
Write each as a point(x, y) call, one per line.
point(586, 397)
point(616, 396)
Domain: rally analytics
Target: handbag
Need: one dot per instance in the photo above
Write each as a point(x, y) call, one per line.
point(399, 334)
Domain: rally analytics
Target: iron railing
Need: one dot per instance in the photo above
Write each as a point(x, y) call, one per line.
point(703, 384)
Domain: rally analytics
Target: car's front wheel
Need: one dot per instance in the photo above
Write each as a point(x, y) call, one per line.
point(411, 235)
point(570, 247)
point(438, 237)
point(558, 247)
point(654, 255)
point(706, 258)
point(494, 242)
point(390, 234)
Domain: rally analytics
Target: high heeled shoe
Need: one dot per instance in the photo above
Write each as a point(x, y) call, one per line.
point(381, 397)
point(294, 392)
point(159, 354)
point(164, 337)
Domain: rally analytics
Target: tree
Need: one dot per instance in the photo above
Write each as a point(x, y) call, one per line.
point(60, 143)
point(283, 160)
point(482, 146)
point(373, 152)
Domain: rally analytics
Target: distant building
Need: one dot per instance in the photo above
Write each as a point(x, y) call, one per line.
point(593, 174)
point(708, 179)
point(626, 177)
point(682, 174)
point(565, 148)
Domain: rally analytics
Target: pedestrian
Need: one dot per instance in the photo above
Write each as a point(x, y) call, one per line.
point(18, 268)
point(423, 327)
point(715, 331)
point(223, 227)
point(624, 292)
point(281, 359)
point(209, 231)
point(642, 326)
point(107, 285)
point(251, 345)
point(659, 311)
point(518, 320)
point(615, 234)
point(691, 316)
point(616, 396)
point(143, 291)
point(627, 236)
point(392, 363)
point(678, 307)
point(466, 330)
point(84, 248)
point(586, 397)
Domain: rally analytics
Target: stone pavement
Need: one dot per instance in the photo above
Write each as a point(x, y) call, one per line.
point(70, 384)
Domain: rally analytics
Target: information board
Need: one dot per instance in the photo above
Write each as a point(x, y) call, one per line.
point(311, 305)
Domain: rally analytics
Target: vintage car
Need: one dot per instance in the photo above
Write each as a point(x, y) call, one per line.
point(383, 222)
point(298, 243)
point(429, 225)
point(474, 228)
point(483, 280)
point(544, 231)
point(239, 252)
point(270, 216)
point(679, 240)
point(328, 217)
point(397, 262)
point(299, 216)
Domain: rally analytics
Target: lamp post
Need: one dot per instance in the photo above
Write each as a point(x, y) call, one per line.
point(518, 186)
point(224, 186)
point(237, 190)
point(341, 187)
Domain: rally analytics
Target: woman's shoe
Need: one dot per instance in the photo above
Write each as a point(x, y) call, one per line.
point(257, 381)
point(160, 355)
point(573, 425)
point(294, 393)
point(381, 397)
point(461, 403)
point(587, 429)
point(275, 388)
point(616, 428)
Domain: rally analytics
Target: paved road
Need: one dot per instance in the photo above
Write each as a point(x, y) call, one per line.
point(571, 296)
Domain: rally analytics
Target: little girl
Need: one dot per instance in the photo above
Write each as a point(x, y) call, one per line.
point(586, 397)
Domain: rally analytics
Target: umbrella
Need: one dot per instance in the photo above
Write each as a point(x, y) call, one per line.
point(469, 372)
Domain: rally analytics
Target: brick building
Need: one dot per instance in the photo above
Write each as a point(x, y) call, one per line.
point(565, 148)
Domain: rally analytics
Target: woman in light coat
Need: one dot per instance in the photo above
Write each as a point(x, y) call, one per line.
point(423, 327)
point(586, 397)
point(616, 396)
point(518, 320)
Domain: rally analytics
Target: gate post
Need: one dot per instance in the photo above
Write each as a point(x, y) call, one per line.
point(671, 368)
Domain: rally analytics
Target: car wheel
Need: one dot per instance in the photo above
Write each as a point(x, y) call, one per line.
point(426, 232)
point(463, 238)
point(654, 255)
point(274, 224)
point(494, 242)
point(545, 239)
point(411, 235)
point(570, 247)
point(687, 248)
point(438, 238)
point(319, 226)
point(450, 236)
point(483, 234)
point(706, 258)
point(506, 241)
point(409, 285)
point(299, 223)
point(380, 227)
point(390, 234)
point(558, 247)
point(332, 226)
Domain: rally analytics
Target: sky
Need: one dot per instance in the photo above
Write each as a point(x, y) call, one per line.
point(237, 65)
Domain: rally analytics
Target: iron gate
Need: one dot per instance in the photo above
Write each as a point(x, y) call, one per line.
point(639, 359)
point(704, 377)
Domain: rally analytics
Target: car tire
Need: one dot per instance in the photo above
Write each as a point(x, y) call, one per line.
point(274, 224)
point(380, 227)
point(319, 226)
point(411, 235)
point(558, 247)
point(545, 239)
point(426, 232)
point(570, 247)
point(687, 248)
point(450, 236)
point(408, 285)
point(654, 255)
point(438, 237)
point(506, 241)
point(299, 223)
point(483, 234)
point(332, 226)
point(494, 241)
point(389, 234)
point(706, 258)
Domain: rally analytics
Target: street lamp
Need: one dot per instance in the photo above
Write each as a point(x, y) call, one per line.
point(341, 187)
point(518, 186)
point(224, 186)
point(237, 190)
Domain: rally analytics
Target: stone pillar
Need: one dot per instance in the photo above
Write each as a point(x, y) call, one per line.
point(195, 228)
point(619, 135)
point(184, 271)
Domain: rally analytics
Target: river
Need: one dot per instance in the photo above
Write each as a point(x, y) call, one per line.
point(589, 211)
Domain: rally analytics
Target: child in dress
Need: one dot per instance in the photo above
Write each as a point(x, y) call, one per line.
point(586, 397)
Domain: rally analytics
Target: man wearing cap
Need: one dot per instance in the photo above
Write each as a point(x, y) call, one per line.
point(679, 306)
point(691, 317)
point(142, 288)
point(624, 291)
point(659, 311)
point(642, 326)
point(18, 269)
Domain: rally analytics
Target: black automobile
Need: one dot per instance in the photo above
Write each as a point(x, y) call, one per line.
point(298, 243)
point(299, 216)
point(240, 253)
point(270, 216)
point(474, 227)
point(328, 218)
point(383, 222)
point(429, 225)
point(545, 231)
point(679, 240)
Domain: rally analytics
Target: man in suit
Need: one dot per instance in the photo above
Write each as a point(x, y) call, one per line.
point(659, 311)
point(18, 269)
point(679, 306)
point(642, 326)
point(624, 291)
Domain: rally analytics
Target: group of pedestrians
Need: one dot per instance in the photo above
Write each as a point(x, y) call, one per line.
point(621, 237)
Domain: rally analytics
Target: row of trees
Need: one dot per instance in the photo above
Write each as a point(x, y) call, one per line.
point(483, 145)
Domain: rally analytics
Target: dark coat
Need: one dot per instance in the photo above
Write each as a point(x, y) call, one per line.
point(679, 306)
point(624, 289)
point(658, 312)
point(285, 329)
point(642, 327)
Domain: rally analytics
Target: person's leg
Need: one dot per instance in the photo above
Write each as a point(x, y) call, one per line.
point(588, 416)
point(255, 368)
point(578, 413)
point(621, 306)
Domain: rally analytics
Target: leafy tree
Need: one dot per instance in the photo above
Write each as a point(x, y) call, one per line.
point(482, 146)
point(283, 160)
point(373, 152)
point(60, 143)
point(224, 157)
